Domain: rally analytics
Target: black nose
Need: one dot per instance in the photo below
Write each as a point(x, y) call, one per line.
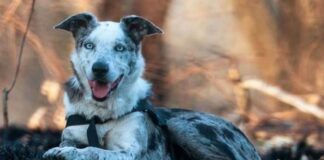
point(100, 69)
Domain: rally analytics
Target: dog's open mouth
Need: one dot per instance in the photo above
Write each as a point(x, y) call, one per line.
point(101, 90)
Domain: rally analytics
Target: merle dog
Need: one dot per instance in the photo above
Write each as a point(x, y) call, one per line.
point(102, 100)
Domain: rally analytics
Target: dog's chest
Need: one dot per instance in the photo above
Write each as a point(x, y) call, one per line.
point(114, 134)
point(90, 108)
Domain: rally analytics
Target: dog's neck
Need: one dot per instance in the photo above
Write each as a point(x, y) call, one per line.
point(122, 101)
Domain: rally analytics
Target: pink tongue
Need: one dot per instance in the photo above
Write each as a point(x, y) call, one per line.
point(99, 91)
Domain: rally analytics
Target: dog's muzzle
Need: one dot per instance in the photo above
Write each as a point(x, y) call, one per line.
point(100, 71)
point(100, 86)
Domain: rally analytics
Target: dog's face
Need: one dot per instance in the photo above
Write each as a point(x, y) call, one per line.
point(107, 56)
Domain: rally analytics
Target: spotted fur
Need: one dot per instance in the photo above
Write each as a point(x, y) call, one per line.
point(133, 135)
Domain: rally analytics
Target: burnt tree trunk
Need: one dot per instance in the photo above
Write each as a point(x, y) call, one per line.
point(286, 37)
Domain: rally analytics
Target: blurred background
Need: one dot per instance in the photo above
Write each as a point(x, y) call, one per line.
point(257, 63)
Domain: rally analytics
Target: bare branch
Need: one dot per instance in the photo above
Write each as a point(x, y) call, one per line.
point(6, 91)
point(284, 96)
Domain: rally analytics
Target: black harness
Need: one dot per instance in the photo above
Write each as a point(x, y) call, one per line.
point(92, 135)
point(143, 105)
point(158, 116)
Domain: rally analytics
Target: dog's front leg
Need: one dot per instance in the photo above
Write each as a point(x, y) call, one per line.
point(126, 141)
point(117, 151)
point(92, 153)
point(89, 153)
point(74, 136)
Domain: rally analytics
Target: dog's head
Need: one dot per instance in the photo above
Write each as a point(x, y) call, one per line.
point(107, 54)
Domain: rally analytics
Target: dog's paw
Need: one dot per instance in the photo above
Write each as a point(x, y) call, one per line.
point(62, 153)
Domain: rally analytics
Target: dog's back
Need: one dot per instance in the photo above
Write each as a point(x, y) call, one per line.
point(196, 136)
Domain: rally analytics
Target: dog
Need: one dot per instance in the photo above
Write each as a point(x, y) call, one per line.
point(107, 89)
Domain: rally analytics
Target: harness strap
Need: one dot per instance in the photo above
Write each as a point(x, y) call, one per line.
point(92, 134)
point(77, 119)
point(159, 118)
point(145, 105)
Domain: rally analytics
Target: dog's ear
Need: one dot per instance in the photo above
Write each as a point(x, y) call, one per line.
point(79, 24)
point(137, 27)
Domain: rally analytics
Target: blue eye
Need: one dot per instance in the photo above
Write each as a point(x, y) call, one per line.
point(89, 45)
point(120, 48)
